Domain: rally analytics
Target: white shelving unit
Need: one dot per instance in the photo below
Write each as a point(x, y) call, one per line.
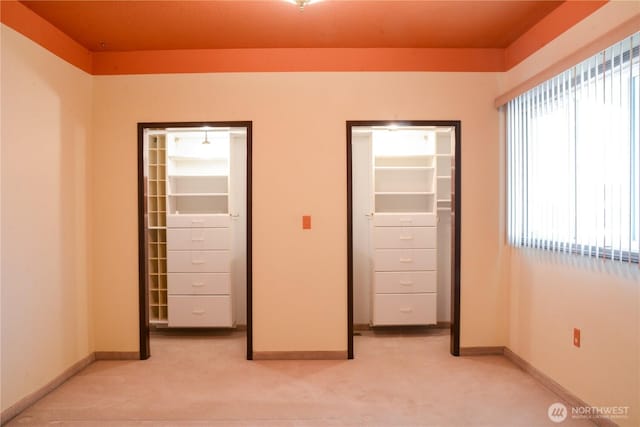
point(444, 157)
point(198, 174)
point(198, 230)
point(195, 188)
point(403, 188)
point(404, 238)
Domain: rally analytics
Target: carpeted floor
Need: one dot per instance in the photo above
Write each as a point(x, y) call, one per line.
point(395, 380)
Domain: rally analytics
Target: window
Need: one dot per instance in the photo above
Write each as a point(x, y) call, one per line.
point(573, 157)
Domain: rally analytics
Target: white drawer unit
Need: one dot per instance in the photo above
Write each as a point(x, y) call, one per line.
point(198, 238)
point(403, 237)
point(200, 310)
point(198, 221)
point(199, 271)
point(404, 309)
point(404, 259)
point(405, 280)
point(199, 283)
point(398, 282)
point(198, 261)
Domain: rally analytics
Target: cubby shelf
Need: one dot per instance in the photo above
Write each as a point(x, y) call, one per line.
point(156, 229)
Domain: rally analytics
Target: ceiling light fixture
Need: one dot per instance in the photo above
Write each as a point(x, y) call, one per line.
point(206, 140)
point(302, 3)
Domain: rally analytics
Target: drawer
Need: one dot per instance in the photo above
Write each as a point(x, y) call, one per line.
point(404, 259)
point(404, 309)
point(200, 311)
point(404, 237)
point(188, 221)
point(198, 261)
point(199, 283)
point(198, 238)
point(398, 282)
point(404, 220)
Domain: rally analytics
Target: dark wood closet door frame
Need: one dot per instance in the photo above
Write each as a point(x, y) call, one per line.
point(143, 292)
point(455, 288)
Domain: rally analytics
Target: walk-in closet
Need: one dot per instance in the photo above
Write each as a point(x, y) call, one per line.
point(402, 197)
point(195, 227)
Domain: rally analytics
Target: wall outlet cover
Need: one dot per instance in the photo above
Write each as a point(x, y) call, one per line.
point(306, 222)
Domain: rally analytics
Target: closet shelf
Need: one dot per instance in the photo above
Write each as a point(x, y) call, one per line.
point(404, 193)
point(204, 159)
point(191, 176)
point(404, 168)
point(198, 195)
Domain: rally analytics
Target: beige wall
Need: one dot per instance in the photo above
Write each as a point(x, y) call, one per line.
point(299, 168)
point(550, 294)
point(46, 117)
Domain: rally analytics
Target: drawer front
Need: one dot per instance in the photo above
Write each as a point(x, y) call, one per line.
point(404, 259)
point(408, 220)
point(198, 238)
point(404, 309)
point(198, 221)
point(198, 261)
point(409, 282)
point(404, 237)
point(199, 283)
point(200, 311)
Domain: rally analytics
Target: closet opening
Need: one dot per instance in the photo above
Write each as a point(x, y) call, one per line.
point(403, 229)
point(194, 231)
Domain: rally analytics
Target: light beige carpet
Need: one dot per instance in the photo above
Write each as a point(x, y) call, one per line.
point(395, 380)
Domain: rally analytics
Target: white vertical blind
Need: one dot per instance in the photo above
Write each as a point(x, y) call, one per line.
point(574, 158)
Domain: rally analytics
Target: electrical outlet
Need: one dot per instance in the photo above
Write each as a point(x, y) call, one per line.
point(576, 337)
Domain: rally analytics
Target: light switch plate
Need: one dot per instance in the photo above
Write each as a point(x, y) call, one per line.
point(306, 222)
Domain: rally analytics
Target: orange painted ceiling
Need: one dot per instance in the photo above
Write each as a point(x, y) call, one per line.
point(160, 25)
